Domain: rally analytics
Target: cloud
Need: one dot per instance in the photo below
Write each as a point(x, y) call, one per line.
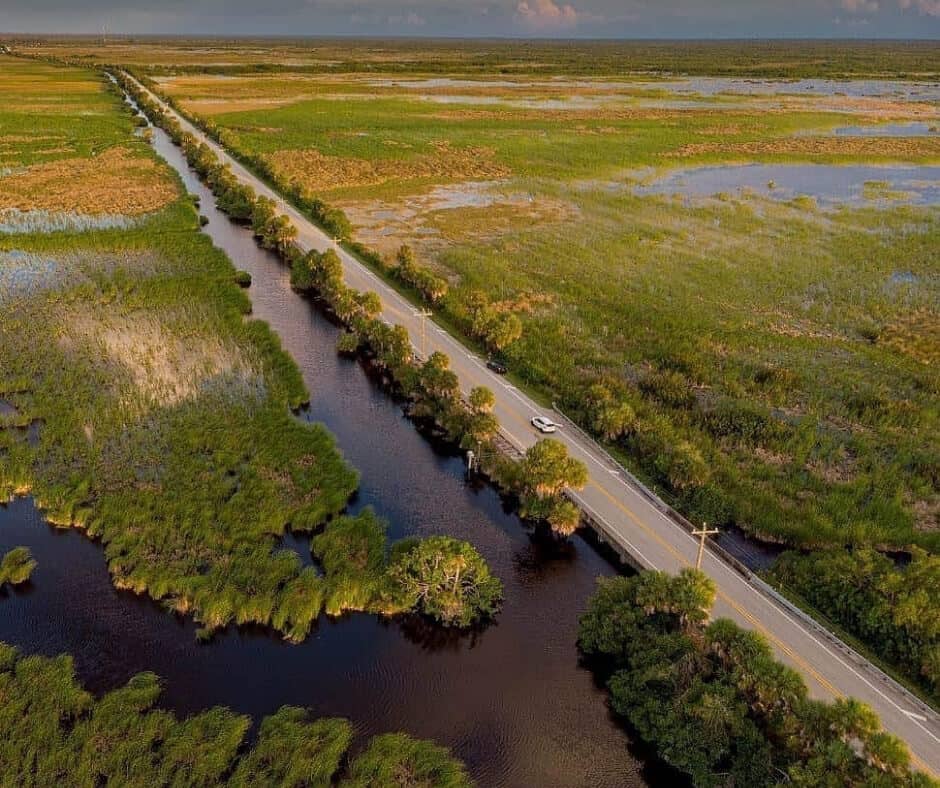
point(862, 6)
point(926, 7)
point(545, 15)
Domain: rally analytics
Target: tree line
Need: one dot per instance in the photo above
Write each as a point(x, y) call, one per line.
point(453, 596)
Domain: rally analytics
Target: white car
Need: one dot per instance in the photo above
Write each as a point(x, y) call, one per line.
point(544, 424)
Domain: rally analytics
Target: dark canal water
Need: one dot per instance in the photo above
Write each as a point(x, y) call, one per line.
point(512, 700)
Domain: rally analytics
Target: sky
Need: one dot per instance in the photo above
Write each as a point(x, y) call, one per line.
point(522, 18)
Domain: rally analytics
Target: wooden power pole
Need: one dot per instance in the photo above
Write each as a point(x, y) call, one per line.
point(702, 533)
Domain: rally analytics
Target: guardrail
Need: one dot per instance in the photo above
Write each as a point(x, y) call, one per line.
point(757, 582)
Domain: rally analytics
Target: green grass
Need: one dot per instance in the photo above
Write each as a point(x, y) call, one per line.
point(55, 113)
point(187, 464)
point(771, 340)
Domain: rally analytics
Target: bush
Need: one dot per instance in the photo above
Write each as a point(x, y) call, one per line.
point(395, 759)
point(243, 279)
point(445, 579)
point(17, 566)
point(540, 479)
point(431, 288)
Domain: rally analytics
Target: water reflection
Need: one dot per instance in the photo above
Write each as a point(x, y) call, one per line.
point(829, 185)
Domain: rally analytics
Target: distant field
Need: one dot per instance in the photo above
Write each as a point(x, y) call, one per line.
point(773, 338)
point(894, 59)
point(779, 352)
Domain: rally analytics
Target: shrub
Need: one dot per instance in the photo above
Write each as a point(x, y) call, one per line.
point(17, 566)
point(445, 579)
point(431, 288)
point(397, 759)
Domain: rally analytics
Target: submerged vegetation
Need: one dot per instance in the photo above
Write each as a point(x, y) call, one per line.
point(716, 704)
point(55, 733)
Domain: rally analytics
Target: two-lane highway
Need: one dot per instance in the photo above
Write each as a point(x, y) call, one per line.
point(637, 524)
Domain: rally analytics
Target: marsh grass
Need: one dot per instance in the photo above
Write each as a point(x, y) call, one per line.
point(16, 566)
point(167, 431)
point(781, 381)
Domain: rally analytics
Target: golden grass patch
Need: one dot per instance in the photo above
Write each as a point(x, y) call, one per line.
point(873, 107)
point(153, 364)
point(916, 335)
point(216, 106)
point(861, 147)
point(319, 172)
point(115, 182)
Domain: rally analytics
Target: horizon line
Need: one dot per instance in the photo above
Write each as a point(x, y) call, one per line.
point(489, 37)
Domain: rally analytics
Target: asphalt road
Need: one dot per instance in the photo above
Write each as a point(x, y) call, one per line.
point(830, 669)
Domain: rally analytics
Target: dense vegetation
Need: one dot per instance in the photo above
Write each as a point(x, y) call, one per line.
point(53, 732)
point(788, 394)
point(895, 610)
point(716, 704)
point(432, 388)
point(148, 411)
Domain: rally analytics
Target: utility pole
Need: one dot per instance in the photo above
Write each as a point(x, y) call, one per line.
point(702, 533)
point(424, 314)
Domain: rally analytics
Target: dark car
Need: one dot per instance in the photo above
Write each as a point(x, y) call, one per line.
point(497, 366)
